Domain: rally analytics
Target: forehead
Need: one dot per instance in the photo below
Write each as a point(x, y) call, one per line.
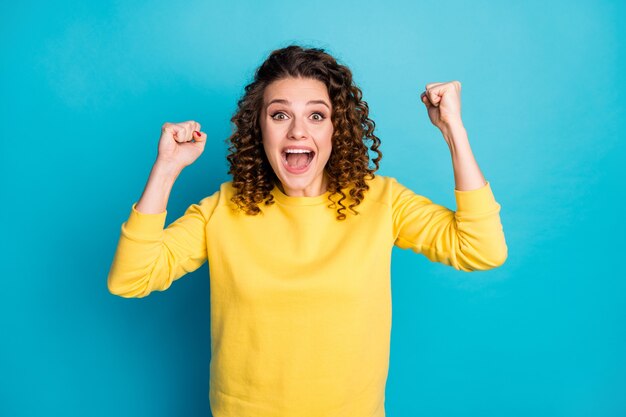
point(294, 89)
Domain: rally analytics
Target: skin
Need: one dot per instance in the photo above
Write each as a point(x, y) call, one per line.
point(443, 103)
point(180, 145)
point(298, 123)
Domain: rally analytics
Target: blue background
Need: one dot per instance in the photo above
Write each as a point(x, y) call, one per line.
point(86, 88)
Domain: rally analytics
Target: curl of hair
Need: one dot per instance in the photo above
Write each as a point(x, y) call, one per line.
point(348, 164)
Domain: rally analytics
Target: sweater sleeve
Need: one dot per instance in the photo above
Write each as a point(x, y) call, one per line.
point(469, 239)
point(149, 257)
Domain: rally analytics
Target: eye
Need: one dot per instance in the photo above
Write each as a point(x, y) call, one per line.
point(273, 116)
point(320, 118)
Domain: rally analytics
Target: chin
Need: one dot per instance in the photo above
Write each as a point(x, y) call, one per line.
point(297, 181)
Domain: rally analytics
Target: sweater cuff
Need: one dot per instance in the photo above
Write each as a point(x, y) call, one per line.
point(479, 200)
point(149, 225)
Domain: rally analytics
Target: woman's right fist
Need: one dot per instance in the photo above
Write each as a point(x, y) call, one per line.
point(181, 143)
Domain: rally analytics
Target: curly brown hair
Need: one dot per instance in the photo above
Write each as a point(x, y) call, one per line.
point(348, 164)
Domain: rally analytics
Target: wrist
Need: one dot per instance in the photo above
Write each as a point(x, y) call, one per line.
point(166, 171)
point(454, 132)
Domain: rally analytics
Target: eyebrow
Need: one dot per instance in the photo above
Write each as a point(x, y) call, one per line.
point(280, 100)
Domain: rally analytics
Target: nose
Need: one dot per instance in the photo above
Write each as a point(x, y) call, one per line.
point(297, 130)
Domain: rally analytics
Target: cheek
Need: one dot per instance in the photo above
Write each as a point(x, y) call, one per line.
point(325, 134)
point(325, 151)
point(271, 155)
point(328, 143)
point(268, 148)
point(271, 135)
point(269, 140)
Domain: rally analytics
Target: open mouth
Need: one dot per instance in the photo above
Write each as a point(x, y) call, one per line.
point(297, 161)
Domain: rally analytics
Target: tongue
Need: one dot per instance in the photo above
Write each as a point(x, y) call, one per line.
point(297, 160)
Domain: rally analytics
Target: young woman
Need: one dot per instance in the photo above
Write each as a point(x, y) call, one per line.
point(299, 242)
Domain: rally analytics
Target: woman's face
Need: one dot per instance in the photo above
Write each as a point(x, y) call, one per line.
point(296, 116)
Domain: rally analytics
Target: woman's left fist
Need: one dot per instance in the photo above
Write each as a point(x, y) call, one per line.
point(443, 102)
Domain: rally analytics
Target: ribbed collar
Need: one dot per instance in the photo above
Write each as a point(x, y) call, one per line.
point(299, 201)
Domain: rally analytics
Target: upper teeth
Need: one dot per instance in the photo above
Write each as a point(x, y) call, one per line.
point(297, 151)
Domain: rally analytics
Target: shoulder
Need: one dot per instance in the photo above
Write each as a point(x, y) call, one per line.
point(221, 197)
point(381, 187)
point(381, 190)
point(227, 190)
point(391, 192)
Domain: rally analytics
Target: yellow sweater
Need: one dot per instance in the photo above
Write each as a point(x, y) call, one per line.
point(300, 301)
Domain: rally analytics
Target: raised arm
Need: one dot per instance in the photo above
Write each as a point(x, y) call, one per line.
point(149, 257)
point(470, 238)
point(443, 103)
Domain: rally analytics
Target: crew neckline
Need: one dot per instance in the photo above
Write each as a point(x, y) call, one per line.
point(298, 201)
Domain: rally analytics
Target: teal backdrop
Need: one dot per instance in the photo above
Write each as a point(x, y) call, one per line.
point(86, 86)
